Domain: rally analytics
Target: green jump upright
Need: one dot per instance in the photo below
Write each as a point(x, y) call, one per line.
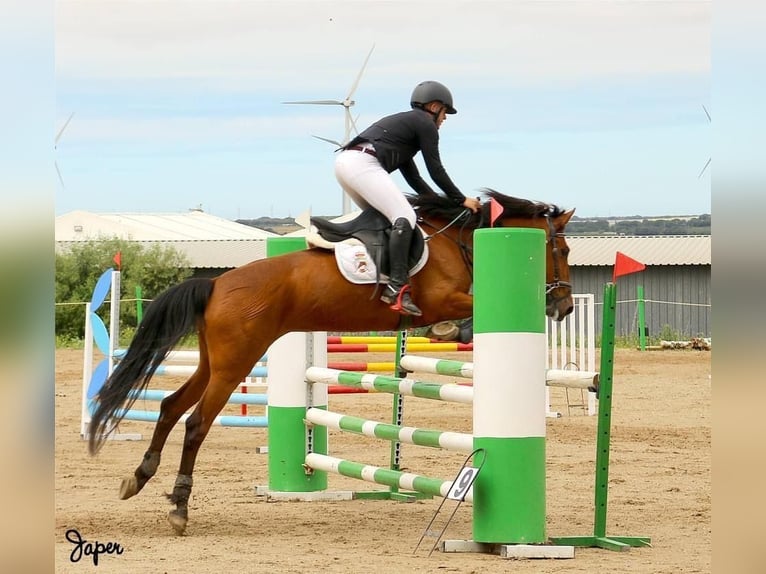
point(603, 441)
point(289, 439)
point(509, 385)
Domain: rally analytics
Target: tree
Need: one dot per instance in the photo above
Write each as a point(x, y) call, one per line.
point(78, 268)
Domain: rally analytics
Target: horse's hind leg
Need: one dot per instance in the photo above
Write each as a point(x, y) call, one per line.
point(197, 426)
point(171, 410)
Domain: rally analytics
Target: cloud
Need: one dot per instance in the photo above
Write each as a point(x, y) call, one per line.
point(293, 44)
point(195, 87)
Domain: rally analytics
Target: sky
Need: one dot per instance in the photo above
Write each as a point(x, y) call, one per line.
point(594, 105)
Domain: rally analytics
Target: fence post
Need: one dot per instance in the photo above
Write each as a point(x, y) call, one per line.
point(509, 385)
point(289, 439)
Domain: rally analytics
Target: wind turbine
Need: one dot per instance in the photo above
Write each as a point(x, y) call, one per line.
point(349, 122)
point(55, 146)
point(710, 158)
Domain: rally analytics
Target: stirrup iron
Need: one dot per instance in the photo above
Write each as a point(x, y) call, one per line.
point(403, 303)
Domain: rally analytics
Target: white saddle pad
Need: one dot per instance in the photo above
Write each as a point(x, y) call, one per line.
point(354, 262)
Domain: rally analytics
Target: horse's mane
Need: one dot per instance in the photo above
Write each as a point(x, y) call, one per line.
point(442, 207)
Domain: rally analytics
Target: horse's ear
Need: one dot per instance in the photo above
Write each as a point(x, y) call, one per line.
point(566, 216)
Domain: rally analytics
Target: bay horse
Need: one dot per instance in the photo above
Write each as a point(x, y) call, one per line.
point(238, 314)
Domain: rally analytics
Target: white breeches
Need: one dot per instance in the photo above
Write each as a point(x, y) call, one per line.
point(369, 185)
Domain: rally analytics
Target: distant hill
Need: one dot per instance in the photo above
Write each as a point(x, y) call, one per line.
point(638, 225)
point(623, 225)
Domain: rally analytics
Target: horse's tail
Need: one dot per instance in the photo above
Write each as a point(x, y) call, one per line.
point(170, 317)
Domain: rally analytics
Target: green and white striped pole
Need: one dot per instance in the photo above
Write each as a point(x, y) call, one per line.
point(289, 439)
point(394, 478)
point(509, 385)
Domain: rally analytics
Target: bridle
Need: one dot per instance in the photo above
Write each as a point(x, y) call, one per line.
point(549, 287)
point(466, 250)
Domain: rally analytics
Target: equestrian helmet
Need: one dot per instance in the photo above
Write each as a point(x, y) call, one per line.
point(430, 91)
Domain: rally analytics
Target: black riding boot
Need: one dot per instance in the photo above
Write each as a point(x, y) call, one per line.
point(397, 293)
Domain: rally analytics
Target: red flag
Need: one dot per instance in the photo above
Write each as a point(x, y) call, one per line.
point(624, 265)
point(495, 211)
point(118, 259)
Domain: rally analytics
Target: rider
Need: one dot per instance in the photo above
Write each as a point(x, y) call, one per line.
point(363, 169)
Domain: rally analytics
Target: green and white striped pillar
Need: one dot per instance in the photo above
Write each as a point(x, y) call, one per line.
point(289, 440)
point(509, 385)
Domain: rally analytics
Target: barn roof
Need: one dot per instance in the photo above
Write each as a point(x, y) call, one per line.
point(650, 249)
point(193, 225)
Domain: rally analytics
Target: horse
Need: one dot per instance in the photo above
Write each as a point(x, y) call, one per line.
point(238, 314)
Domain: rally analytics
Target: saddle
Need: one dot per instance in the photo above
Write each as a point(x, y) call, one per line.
point(371, 230)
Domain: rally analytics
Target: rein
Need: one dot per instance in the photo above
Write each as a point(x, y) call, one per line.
point(443, 229)
point(466, 251)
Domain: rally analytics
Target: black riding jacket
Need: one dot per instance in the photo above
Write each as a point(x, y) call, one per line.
point(398, 137)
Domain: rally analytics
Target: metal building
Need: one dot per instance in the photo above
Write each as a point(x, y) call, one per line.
point(676, 281)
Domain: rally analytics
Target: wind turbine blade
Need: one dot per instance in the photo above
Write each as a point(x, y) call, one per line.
point(706, 113)
point(328, 140)
point(320, 102)
point(359, 76)
point(61, 131)
point(704, 168)
point(58, 171)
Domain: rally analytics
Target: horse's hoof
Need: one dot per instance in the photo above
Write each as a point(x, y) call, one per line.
point(177, 521)
point(128, 488)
